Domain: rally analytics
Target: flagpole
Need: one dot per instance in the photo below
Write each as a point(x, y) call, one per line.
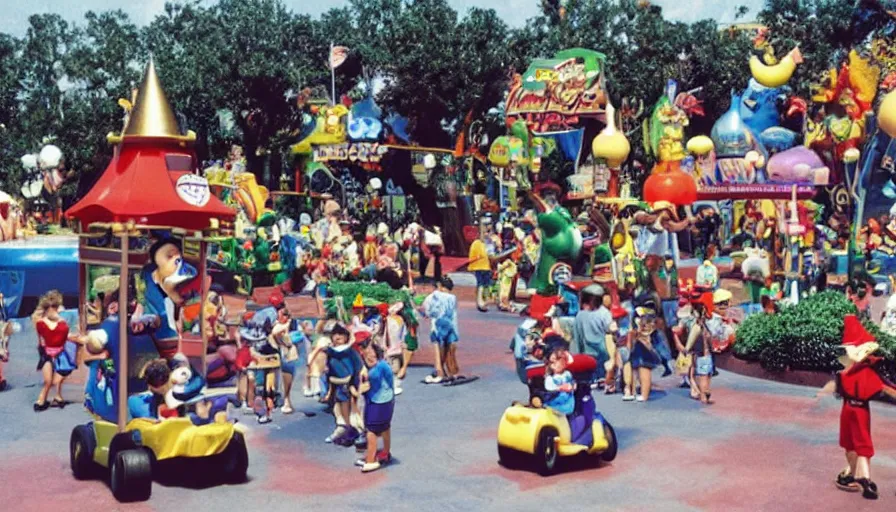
point(332, 75)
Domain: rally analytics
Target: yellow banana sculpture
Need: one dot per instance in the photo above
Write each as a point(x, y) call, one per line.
point(780, 73)
point(252, 197)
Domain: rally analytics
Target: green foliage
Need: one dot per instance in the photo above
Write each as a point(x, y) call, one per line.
point(822, 30)
point(428, 62)
point(803, 337)
point(371, 294)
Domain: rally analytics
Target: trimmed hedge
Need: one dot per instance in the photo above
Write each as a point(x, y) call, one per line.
point(806, 336)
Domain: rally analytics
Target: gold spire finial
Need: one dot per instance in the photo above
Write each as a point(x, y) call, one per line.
point(152, 115)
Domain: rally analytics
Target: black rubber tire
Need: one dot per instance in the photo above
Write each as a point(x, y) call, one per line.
point(131, 475)
point(510, 458)
point(546, 456)
point(610, 453)
point(235, 460)
point(80, 450)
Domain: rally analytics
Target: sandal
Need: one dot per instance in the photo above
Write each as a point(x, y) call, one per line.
point(846, 482)
point(869, 488)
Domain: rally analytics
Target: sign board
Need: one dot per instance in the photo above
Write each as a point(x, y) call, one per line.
point(193, 190)
point(361, 152)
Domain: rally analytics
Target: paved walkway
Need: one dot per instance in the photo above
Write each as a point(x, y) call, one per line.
point(762, 446)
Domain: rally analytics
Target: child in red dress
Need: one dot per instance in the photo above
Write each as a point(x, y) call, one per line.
point(52, 333)
point(857, 384)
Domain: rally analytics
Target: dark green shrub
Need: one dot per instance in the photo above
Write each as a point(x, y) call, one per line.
point(805, 336)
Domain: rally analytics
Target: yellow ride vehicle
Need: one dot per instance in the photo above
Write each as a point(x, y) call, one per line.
point(533, 435)
point(172, 449)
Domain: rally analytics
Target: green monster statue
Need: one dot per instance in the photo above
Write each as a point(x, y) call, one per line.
point(561, 242)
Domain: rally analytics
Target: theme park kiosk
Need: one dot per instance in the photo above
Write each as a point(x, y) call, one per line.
point(149, 186)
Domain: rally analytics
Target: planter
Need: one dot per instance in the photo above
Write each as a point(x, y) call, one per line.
point(728, 361)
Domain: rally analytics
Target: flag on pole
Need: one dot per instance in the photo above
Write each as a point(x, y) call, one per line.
point(338, 54)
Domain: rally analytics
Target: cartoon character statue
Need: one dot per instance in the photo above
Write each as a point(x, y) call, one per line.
point(560, 241)
point(157, 291)
point(252, 198)
point(9, 217)
point(507, 272)
point(7, 328)
point(186, 384)
point(755, 269)
point(857, 384)
point(848, 97)
point(888, 317)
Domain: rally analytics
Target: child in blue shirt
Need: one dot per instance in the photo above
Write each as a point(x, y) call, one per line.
point(559, 379)
point(379, 403)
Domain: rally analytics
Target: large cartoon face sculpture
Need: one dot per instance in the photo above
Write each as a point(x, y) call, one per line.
point(170, 265)
point(756, 263)
point(561, 242)
point(758, 107)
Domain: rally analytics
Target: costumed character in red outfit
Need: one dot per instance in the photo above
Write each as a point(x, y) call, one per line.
point(857, 384)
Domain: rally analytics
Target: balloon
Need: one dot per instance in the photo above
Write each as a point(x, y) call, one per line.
point(50, 156)
point(700, 145)
point(669, 183)
point(29, 162)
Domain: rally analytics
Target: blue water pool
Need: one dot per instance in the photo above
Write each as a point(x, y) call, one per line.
point(28, 268)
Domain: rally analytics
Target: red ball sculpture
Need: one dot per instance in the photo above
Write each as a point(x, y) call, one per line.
point(668, 182)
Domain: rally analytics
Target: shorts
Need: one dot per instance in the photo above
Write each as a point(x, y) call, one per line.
point(643, 357)
point(703, 366)
point(483, 278)
point(855, 430)
point(624, 354)
point(289, 367)
point(378, 417)
point(341, 392)
point(443, 333)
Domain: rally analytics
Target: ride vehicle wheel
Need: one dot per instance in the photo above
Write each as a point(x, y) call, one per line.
point(235, 460)
point(610, 453)
point(81, 447)
point(546, 456)
point(510, 458)
point(131, 478)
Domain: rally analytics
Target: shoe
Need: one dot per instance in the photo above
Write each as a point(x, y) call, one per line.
point(338, 432)
point(846, 482)
point(41, 407)
point(361, 443)
point(264, 420)
point(640, 398)
point(246, 409)
point(430, 379)
point(628, 398)
point(360, 462)
point(370, 466)
point(398, 391)
point(684, 385)
point(307, 393)
point(667, 371)
point(287, 409)
point(869, 488)
point(383, 457)
point(347, 438)
point(56, 402)
point(482, 309)
point(2, 385)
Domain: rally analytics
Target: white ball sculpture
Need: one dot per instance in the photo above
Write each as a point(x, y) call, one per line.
point(29, 162)
point(50, 156)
